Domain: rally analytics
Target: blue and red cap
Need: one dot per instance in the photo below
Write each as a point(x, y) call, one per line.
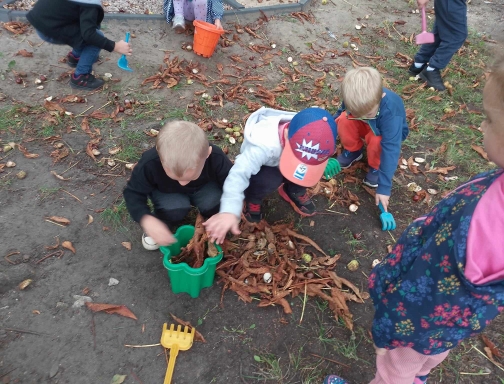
point(311, 141)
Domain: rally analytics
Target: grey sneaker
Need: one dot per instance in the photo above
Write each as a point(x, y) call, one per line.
point(178, 24)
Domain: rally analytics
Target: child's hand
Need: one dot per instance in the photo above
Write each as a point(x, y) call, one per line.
point(218, 226)
point(379, 351)
point(384, 199)
point(157, 230)
point(422, 3)
point(218, 24)
point(124, 48)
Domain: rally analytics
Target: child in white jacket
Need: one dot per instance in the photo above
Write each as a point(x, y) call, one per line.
point(284, 150)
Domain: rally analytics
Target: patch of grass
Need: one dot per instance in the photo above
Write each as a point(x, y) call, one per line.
point(176, 114)
point(353, 242)
point(116, 217)
point(48, 131)
point(4, 183)
point(131, 144)
point(46, 192)
point(11, 118)
point(270, 368)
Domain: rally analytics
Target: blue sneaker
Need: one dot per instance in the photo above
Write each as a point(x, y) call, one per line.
point(333, 379)
point(371, 179)
point(347, 158)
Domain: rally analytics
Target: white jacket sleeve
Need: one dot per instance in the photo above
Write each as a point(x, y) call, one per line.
point(247, 164)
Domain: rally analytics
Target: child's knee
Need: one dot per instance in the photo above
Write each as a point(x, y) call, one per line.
point(172, 215)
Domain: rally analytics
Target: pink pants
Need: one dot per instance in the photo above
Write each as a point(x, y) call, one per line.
point(402, 365)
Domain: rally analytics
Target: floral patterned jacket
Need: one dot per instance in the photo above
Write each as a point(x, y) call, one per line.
point(420, 293)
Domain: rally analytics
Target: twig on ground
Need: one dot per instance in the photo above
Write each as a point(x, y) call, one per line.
point(58, 253)
point(53, 222)
point(486, 357)
point(6, 373)
point(136, 377)
point(339, 213)
point(142, 345)
point(104, 105)
point(6, 257)
point(70, 168)
point(304, 304)
point(25, 331)
point(83, 112)
point(75, 197)
point(331, 360)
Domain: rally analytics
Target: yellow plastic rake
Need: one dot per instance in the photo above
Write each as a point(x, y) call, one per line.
point(175, 341)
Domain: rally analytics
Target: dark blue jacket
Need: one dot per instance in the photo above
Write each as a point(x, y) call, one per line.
point(391, 125)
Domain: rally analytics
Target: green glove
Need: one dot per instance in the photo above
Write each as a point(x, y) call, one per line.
point(333, 167)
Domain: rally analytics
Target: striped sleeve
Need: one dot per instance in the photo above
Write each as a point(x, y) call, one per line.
point(215, 10)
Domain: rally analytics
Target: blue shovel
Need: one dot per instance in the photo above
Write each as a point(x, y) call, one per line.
point(387, 220)
point(123, 62)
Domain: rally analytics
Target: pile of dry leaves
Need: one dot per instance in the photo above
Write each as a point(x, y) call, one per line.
point(275, 262)
point(194, 253)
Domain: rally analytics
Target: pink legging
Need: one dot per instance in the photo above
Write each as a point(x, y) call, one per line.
point(402, 365)
point(191, 10)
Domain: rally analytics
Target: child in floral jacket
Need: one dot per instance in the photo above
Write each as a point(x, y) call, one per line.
point(444, 279)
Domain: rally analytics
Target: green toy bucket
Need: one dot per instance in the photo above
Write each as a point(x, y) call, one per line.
point(183, 278)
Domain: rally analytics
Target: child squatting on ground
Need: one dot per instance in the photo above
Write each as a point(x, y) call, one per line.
point(444, 279)
point(281, 150)
point(178, 11)
point(181, 171)
point(375, 115)
point(76, 23)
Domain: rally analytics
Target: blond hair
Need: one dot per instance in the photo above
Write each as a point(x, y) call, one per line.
point(361, 90)
point(497, 75)
point(181, 145)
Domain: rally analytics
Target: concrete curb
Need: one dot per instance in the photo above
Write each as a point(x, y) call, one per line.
point(237, 11)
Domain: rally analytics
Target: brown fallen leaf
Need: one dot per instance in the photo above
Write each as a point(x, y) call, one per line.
point(197, 336)
point(58, 176)
point(441, 170)
point(50, 247)
point(59, 219)
point(90, 219)
point(307, 239)
point(412, 167)
point(16, 27)
point(24, 53)
point(121, 310)
point(127, 245)
point(68, 245)
point(491, 346)
point(26, 153)
point(481, 151)
point(434, 98)
point(54, 107)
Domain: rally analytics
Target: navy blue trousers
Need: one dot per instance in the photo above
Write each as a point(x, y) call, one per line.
point(172, 208)
point(266, 181)
point(450, 32)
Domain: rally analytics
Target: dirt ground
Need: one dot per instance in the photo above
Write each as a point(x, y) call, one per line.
point(45, 339)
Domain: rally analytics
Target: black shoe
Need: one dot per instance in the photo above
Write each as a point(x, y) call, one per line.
point(433, 79)
point(252, 212)
point(72, 61)
point(302, 204)
point(416, 71)
point(86, 82)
